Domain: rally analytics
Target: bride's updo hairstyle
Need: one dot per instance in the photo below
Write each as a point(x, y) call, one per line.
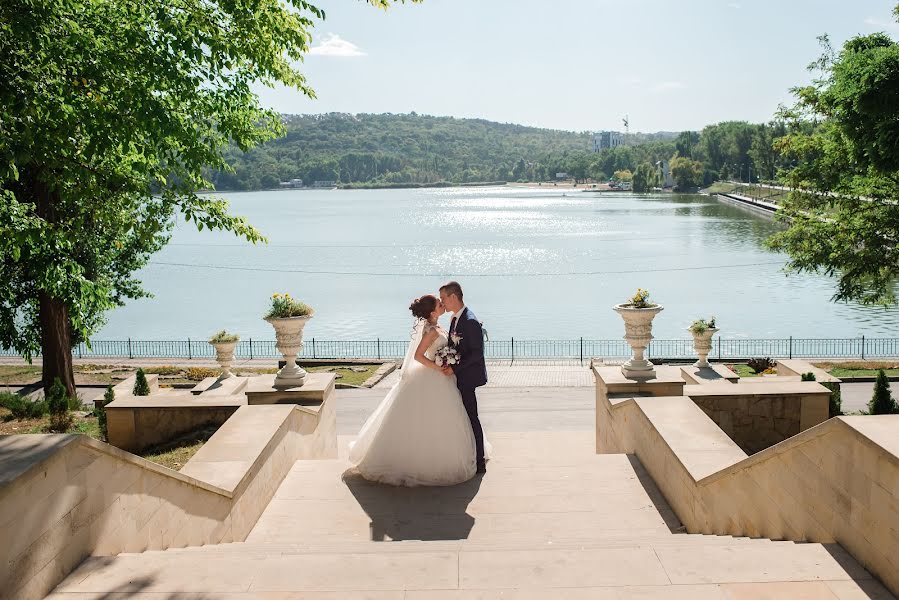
point(423, 307)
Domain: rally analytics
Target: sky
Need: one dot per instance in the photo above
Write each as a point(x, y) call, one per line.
point(573, 64)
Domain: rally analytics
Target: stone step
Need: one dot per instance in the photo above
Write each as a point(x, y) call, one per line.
point(273, 549)
point(434, 568)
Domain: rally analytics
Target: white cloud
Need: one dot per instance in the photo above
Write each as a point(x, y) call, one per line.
point(881, 24)
point(334, 45)
point(668, 86)
point(733, 4)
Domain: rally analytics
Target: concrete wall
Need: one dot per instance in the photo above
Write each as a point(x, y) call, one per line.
point(759, 415)
point(135, 428)
point(838, 481)
point(66, 497)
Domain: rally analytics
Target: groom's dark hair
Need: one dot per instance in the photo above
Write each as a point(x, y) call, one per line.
point(453, 288)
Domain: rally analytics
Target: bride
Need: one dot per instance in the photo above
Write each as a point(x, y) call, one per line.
point(420, 433)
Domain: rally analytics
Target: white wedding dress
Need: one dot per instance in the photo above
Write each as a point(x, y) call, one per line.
point(420, 433)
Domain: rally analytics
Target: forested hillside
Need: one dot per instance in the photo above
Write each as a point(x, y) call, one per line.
point(408, 148)
point(390, 149)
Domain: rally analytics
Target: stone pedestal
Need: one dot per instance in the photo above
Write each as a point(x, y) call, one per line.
point(266, 389)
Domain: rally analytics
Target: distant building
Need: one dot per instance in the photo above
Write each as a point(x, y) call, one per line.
point(324, 184)
point(606, 139)
point(293, 183)
point(561, 176)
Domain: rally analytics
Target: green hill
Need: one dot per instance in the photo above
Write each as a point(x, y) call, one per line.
point(404, 149)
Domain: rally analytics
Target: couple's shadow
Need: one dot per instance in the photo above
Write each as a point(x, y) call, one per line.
point(416, 513)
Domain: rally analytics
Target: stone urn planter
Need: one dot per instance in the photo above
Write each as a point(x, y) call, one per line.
point(289, 339)
point(224, 356)
point(638, 333)
point(702, 344)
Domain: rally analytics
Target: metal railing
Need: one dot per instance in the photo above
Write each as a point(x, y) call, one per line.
point(511, 349)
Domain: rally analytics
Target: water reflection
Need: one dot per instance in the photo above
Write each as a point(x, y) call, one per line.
point(534, 263)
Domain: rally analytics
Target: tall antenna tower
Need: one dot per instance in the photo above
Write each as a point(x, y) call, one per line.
point(627, 130)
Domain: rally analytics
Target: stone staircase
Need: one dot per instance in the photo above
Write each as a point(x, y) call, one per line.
point(551, 519)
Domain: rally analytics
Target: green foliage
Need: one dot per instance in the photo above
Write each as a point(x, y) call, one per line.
point(882, 402)
point(623, 175)
point(58, 402)
point(223, 337)
point(640, 299)
point(22, 408)
point(141, 387)
point(843, 216)
point(108, 396)
point(644, 178)
point(702, 325)
point(113, 114)
point(760, 365)
point(808, 377)
point(284, 306)
point(687, 173)
point(836, 399)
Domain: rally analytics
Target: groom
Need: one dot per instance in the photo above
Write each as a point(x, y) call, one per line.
point(467, 337)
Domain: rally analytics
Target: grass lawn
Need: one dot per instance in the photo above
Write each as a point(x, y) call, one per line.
point(742, 370)
point(86, 425)
point(859, 368)
point(169, 374)
point(175, 453)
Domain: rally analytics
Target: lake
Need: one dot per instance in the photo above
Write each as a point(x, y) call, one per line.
point(534, 264)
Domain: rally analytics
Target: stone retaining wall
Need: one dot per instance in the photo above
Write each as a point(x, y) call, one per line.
point(66, 497)
point(838, 481)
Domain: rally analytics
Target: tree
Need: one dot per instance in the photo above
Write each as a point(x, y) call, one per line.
point(685, 142)
point(843, 216)
point(882, 402)
point(58, 406)
point(111, 115)
point(141, 387)
point(644, 178)
point(623, 175)
point(687, 173)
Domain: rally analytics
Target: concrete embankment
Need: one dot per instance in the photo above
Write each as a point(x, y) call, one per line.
point(758, 206)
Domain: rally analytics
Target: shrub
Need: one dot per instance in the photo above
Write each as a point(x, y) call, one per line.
point(809, 377)
point(141, 387)
point(882, 402)
point(223, 337)
point(702, 325)
point(58, 404)
point(22, 408)
point(760, 365)
point(108, 397)
point(200, 373)
point(836, 399)
point(164, 370)
point(640, 300)
point(283, 306)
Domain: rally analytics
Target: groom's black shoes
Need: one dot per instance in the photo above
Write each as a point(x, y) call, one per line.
point(482, 468)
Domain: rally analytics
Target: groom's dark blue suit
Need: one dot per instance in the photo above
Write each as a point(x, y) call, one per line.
point(471, 372)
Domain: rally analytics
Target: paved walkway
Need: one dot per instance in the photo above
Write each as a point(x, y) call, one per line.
point(550, 519)
point(530, 374)
point(855, 396)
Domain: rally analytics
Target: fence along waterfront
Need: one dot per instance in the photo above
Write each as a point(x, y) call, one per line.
point(511, 349)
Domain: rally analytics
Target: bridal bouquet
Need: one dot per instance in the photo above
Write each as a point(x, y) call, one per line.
point(446, 357)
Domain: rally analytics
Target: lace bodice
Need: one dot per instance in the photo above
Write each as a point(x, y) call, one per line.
point(441, 341)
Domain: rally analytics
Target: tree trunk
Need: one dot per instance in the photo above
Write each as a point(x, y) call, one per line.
point(56, 344)
point(56, 337)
